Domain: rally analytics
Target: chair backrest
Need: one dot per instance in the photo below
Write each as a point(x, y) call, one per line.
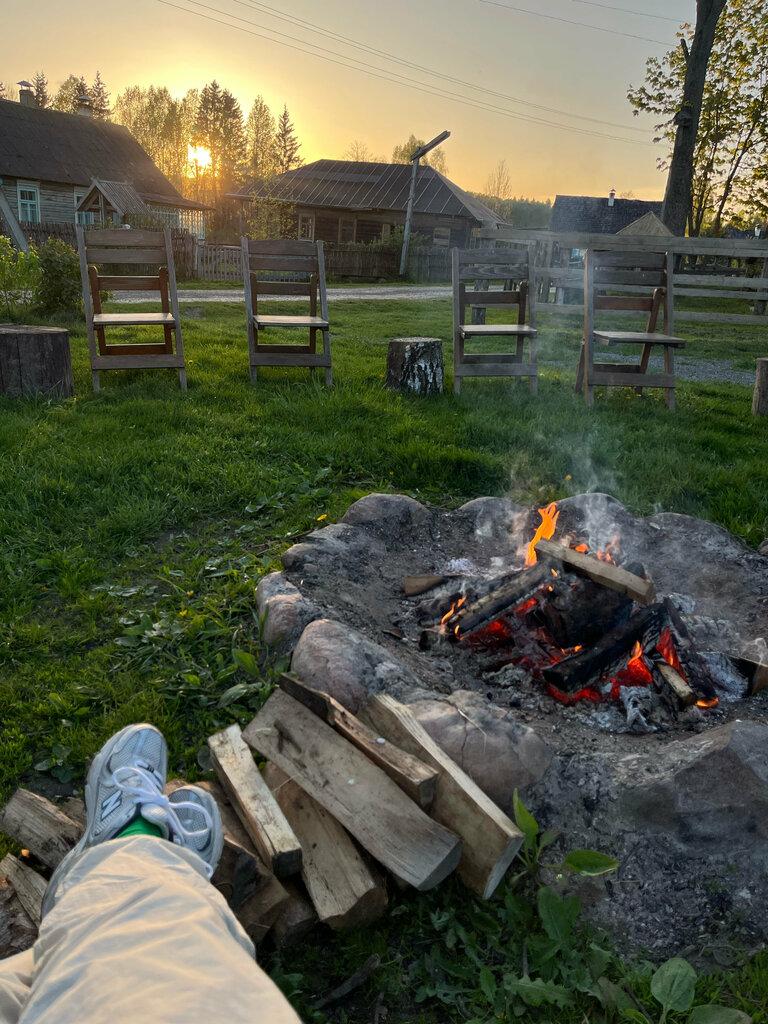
point(276, 266)
point(513, 267)
point(119, 249)
point(628, 281)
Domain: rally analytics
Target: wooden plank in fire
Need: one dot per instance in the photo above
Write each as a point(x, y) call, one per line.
point(755, 672)
point(574, 673)
point(470, 616)
point(606, 573)
point(693, 665)
point(684, 694)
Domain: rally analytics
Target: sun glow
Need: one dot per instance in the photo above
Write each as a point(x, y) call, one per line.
point(199, 158)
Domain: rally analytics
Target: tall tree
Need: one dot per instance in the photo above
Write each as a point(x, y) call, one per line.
point(219, 129)
point(99, 98)
point(287, 146)
point(40, 83)
point(435, 158)
point(260, 130)
point(498, 182)
point(162, 125)
point(69, 91)
point(359, 151)
point(732, 134)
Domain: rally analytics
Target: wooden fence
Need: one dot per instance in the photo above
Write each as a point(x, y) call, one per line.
point(712, 268)
point(342, 261)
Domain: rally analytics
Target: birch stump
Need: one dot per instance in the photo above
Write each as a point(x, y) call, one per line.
point(760, 399)
point(35, 360)
point(416, 364)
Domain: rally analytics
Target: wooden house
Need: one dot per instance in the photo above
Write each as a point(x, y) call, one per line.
point(597, 215)
point(51, 161)
point(352, 201)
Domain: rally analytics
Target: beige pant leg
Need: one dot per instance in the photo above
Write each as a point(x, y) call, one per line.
point(138, 933)
point(15, 982)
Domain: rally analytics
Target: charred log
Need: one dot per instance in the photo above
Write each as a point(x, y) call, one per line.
point(474, 614)
point(574, 673)
point(579, 611)
point(694, 667)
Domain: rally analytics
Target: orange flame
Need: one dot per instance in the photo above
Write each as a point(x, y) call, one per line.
point(454, 607)
point(546, 530)
point(581, 548)
point(707, 703)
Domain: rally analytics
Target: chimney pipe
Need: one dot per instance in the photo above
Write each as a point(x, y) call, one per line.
point(611, 196)
point(84, 106)
point(26, 93)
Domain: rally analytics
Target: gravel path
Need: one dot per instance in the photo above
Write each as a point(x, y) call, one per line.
point(376, 293)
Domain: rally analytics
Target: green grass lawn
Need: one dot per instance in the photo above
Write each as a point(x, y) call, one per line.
point(137, 522)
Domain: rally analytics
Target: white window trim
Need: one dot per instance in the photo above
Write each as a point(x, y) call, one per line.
point(31, 186)
point(311, 218)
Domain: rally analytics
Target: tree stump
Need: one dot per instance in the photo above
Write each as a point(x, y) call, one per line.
point(35, 360)
point(416, 364)
point(760, 400)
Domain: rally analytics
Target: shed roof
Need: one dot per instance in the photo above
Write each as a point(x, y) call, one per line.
point(648, 224)
point(119, 194)
point(592, 214)
point(358, 186)
point(70, 149)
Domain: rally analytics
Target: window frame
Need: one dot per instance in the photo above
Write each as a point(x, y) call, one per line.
point(29, 186)
point(303, 218)
point(82, 217)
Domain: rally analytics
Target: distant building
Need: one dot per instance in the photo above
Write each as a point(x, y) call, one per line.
point(598, 215)
point(49, 162)
point(351, 201)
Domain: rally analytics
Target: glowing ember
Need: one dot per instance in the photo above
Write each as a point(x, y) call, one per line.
point(581, 548)
point(546, 530)
point(707, 703)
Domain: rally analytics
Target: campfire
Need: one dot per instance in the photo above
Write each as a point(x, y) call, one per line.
point(587, 626)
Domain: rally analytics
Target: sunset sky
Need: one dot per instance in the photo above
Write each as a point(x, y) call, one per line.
point(504, 73)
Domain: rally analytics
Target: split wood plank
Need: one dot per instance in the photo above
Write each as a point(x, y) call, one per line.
point(414, 777)
point(414, 585)
point(490, 839)
point(685, 695)
point(755, 672)
point(386, 823)
point(39, 826)
point(605, 573)
point(28, 885)
point(249, 887)
point(256, 808)
point(344, 890)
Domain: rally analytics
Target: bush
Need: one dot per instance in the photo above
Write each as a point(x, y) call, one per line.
point(19, 277)
point(59, 287)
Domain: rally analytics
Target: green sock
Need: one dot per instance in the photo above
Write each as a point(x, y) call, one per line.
point(139, 827)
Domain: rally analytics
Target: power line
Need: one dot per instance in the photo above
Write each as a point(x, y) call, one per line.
point(626, 10)
point(365, 47)
point(380, 73)
point(580, 24)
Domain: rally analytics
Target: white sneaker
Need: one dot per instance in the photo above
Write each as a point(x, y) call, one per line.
point(196, 824)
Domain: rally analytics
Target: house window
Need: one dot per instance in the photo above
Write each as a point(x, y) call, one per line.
point(346, 229)
point(307, 226)
point(29, 203)
point(84, 217)
point(441, 236)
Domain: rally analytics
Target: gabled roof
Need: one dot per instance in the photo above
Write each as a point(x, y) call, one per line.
point(121, 196)
point(71, 149)
point(592, 214)
point(648, 224)
point(353, 185)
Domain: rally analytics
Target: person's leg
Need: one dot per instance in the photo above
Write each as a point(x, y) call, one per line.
point(138, 933)
point(15, 982)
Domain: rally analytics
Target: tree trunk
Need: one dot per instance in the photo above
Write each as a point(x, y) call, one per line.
point(677, 199)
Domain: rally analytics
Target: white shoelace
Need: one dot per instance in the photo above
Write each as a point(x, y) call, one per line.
point(148, 792)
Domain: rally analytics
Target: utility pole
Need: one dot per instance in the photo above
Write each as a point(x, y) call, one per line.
point(415, 157)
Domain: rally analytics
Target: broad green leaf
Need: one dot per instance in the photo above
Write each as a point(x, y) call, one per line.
point(674, 984)
point(613, 996)
point(598, 959)
point(589, 862)
point(634, 1015)
point(712, 1014)
point(487, 983)
point(534, 991)
point(557, 915)
point(524, 820)
point(245, 660)
point(232, 694)
point(549, 836)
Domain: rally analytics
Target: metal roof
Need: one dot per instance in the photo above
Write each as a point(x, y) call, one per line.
point(70, 149)
point(353, 185)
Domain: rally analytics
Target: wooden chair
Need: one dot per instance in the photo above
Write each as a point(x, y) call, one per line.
point(117, 248)
point(483, 267)
point(606, 276)
point(264, 262)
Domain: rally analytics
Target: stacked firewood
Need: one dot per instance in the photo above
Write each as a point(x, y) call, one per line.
point(340, 802)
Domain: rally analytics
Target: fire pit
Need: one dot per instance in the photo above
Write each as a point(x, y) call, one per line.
point(614, 680)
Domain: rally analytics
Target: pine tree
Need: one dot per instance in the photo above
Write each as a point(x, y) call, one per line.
point(287, 146)
point(99, 98)
point(67, 97)
point(219, 129)
point(40, 83)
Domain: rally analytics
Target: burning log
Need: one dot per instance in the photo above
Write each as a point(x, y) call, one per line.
point(684, 695)
point(574, 673)
point(579, 611)
point(471, 615)
point(412, 776)
point(693, 666)
point(605, 573)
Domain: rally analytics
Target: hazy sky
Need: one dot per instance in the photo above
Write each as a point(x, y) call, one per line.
point(512, 82)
